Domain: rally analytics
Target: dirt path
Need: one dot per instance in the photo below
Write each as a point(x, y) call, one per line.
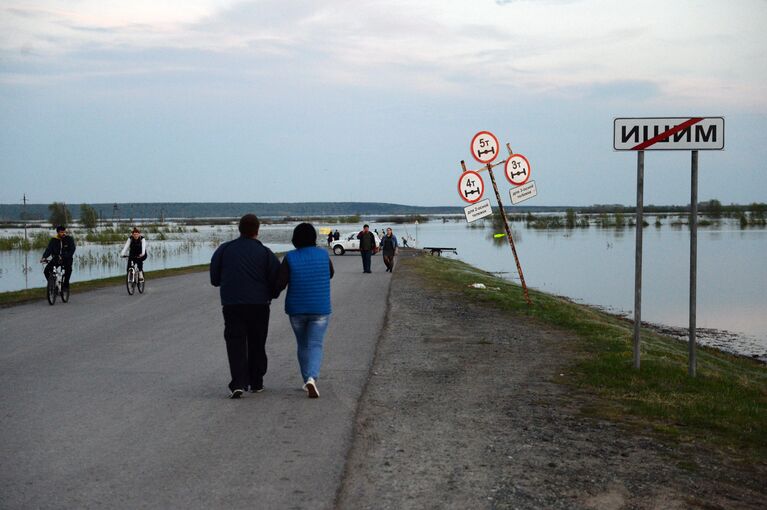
point(462, 411)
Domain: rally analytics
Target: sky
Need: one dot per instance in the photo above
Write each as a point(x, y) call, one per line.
point(337, 100)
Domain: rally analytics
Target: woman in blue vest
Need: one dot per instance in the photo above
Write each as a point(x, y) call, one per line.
point(306, 272)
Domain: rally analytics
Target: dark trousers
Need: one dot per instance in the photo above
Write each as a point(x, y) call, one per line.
point(245, 329)
point(67, 263)
point(139, 262)
point(389, 261)
point(366, 256)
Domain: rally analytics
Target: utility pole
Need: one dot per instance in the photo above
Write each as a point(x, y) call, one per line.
point(24, 215)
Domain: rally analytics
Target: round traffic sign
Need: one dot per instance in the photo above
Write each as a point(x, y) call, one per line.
point(517, 169)
point(484, 147)
point(470, 186)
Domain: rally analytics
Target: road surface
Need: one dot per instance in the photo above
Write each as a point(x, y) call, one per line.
point(118, 401)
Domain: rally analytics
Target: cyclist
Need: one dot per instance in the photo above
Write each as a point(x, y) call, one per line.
point(135, 249)
point(61, 249)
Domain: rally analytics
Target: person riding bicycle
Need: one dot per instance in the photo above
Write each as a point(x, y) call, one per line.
point(61, 249)
point(135, 249)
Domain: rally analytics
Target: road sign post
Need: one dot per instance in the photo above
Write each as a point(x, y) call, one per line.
point(668, 133)
point(692, 364)
point(489, 168)
point(638, 258)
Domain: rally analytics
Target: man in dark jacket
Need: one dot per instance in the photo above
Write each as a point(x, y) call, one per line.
point(367, 247)
point(246, 272)
point(61, 249)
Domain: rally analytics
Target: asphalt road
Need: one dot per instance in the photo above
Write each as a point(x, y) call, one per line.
point(118, 401)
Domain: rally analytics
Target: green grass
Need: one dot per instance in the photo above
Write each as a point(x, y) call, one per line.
point(21, 296)
point(724, 406)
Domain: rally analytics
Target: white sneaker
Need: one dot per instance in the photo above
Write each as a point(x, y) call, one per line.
point(311, 388)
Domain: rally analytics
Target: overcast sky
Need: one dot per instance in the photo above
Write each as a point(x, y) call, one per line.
point(283, 101)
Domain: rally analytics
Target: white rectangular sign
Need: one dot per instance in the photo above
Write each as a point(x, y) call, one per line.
point(668, 133)
point(522, 193)
point(478, 210)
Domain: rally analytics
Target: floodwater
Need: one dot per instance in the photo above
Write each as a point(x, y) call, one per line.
point(589, 265)
point(596, 266)
point(94, 261)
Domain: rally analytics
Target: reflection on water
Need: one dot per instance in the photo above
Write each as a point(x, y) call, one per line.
point(596, 266)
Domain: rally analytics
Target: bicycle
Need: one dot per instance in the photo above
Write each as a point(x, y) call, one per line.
point(132, 280)
point(55, 285)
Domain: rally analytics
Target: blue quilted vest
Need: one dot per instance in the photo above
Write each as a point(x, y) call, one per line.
point(309, 286)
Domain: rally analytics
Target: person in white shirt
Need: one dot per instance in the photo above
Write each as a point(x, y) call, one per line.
point(135, 249)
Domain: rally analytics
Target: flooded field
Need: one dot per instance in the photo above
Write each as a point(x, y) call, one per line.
point(593, 265)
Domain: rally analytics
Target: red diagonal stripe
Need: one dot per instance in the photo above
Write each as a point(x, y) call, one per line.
point(666, 134)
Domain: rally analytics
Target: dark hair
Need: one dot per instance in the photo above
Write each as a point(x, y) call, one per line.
point(365, 225)
point(136, 230)
point(249, 225)
point(304, 235)
point(60, 228)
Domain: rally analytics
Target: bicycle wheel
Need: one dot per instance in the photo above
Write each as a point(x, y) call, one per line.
point(51, 291)
point(141, 283)
point(64, 294)
point(130, 282)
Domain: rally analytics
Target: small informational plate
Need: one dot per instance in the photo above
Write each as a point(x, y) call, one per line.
point(478, 211)
point(522, 193)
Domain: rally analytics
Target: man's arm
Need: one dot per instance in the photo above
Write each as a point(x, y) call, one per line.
point(215, 267)
point(283, 277)
point(48, 250)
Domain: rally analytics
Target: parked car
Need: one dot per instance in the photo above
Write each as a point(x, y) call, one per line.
point(349, 242)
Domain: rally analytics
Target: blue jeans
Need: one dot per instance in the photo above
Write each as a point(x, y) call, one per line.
point(366, 255)
point(310, 333)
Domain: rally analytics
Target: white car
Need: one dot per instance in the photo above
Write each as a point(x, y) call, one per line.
point(349, 242)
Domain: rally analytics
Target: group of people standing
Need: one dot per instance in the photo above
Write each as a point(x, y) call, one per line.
point(368, 246)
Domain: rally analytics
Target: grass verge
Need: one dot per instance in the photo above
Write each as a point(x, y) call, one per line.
point(22, 296)
point(725, 406)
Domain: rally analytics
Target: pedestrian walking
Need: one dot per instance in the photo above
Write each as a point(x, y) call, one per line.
point(306, 272)
point(246, 272)
point(330, 238)
point(368, 245)
point(389, 248)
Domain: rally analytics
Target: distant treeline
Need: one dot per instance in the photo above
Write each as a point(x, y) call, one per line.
point(162, 211)
point(189, 210)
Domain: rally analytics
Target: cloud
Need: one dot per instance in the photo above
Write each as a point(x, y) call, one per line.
point(532, 47)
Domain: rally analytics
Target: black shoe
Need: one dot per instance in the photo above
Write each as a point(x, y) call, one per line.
point(236, 393)
point(257, 389)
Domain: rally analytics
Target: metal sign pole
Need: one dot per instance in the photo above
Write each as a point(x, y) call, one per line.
point(693, 259)
point(508, 234)
point(638, 258)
